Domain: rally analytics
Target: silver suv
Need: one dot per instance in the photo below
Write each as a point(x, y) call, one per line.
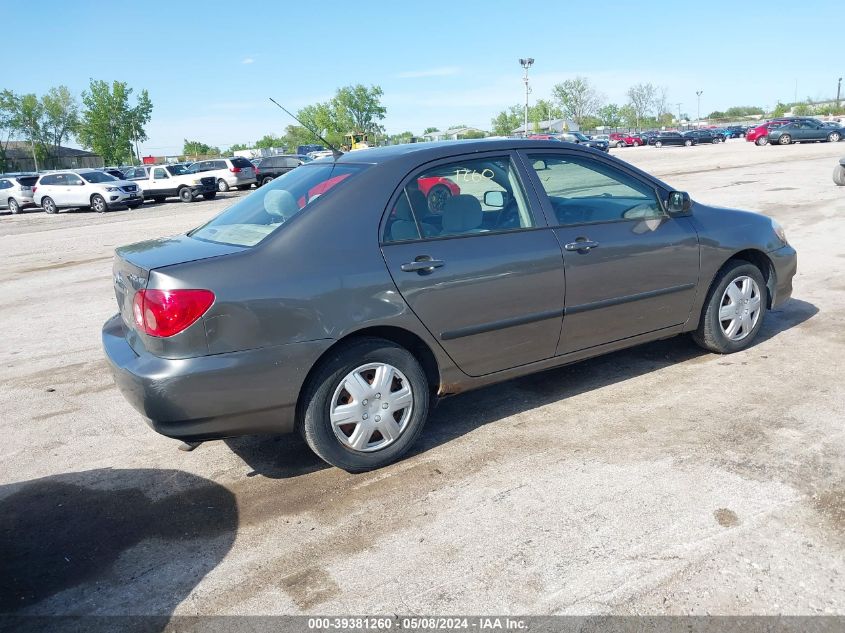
point(16, 191)
point(85, 188)
point(228, 172)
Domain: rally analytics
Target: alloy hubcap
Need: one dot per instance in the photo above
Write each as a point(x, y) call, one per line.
point(371, 407)
point(739, 309)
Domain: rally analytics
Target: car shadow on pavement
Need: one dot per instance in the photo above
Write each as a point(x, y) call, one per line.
point(109, 541)
point(280, 457)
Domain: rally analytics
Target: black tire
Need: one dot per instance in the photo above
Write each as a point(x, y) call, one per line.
point(160, 199)
point(222, 185)
point(839, 175)
point(636, 144)
point(437, 197)
point(763, 140)
point(265, 180)
point(211, 195)
point(98, 203)
point(688, 143)
point(315, 424)
point(14, 207)
point(834, 137)
point(709, 334)
point(785, 139)
point(185, 194)
point(48, 205)
point(658, 143)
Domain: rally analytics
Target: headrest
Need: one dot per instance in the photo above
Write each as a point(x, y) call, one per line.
point(280, 204)
point(462, 213)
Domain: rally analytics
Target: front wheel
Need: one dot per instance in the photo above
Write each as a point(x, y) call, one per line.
point(14, 207)
point(186, 195)
point(763, 140)
point(437, 197)
point(687, 142)
point(222, 185)
point(834, 137)
point(365, 406)
point(734, 310)
point(636, 143)
point(98, 203)
point(658, 143)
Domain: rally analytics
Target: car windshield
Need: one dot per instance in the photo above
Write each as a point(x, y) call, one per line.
point(253, 218)
point(177, 170)
point(98, 176)
point(579, 136)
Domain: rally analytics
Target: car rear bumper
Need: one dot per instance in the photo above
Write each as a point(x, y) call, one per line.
point(211, 397)
point(785, 262)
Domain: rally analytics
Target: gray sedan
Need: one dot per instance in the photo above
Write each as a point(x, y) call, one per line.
point(335, 303)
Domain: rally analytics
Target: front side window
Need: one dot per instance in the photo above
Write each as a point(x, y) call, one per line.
point(582, 190)
point(97, 177)
point(469, 197)
point(253, 218)
point(177, 170)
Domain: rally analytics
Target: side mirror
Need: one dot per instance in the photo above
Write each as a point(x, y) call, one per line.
point(678, 202)
point(494, 199)
point(540, 165)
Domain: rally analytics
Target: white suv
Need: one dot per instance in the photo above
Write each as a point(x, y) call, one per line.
point(16, 191)
point(228, 172)
point(85, 188)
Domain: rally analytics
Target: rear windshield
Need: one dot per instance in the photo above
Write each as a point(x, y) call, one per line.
point(240, 161)
point(254, 217)
point(27, 181)
point(98, 176)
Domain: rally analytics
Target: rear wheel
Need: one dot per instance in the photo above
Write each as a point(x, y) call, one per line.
point(98, 203)
point(48, 205)
point(265, 180)
point(365, 406)
point(785, 139)
point(437, 197)
point(834, 137)
point(658, 143)
point(735, 308)
point(636, 143)
point(14, 207)
point(222, 185)
point(186, 195)
point(763, 140)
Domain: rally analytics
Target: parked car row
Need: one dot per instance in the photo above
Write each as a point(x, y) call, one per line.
point(788, 130)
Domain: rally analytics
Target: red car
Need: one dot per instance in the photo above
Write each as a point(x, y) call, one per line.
point(436, 191)
point(626, 140)
point(760, 134)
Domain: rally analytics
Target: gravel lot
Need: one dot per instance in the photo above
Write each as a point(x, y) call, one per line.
point(659, 480)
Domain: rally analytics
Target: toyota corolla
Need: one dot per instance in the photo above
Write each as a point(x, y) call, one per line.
point(334, 302)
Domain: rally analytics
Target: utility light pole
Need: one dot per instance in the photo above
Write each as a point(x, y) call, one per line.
point(698, 94)
point(838, 91)
point(526, 63)
point(679, 114)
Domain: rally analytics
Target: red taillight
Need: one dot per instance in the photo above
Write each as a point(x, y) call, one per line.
point(164, 313)
point(256, 171)
point(235, 170)
point(33, 189)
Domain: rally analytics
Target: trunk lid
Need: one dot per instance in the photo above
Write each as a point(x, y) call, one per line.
point(133, 263)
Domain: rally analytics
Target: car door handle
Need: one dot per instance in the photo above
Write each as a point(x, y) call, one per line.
point(581, 245)
point(422, 264)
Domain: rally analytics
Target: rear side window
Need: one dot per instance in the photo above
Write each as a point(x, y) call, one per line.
point(48, 180)
point(5, 184)
point(239, 161)
point(253, 218)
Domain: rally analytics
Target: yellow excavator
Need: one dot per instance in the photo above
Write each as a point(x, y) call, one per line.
point(356, 140)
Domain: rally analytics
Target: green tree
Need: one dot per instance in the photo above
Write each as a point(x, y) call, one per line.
point(359, 109)
point(780, 109)
point(28, 121)
point(628, 116)
point(590, 122)
point(197, 148)
point(802, 109)
point(734, 112)
point(61, 115)
point(429, 130)
point(269, 141)
point(109, 124)
point(237, 147)
point(717, 114)
point(609, 115)
point(642, 99)
point(507, 121)
point(402, 137)
point(577, 98)
point(474, 134)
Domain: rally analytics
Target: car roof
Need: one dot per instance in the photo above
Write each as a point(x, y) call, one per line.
point(423, 152)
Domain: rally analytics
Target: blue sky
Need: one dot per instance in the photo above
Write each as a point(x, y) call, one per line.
point(210, 65)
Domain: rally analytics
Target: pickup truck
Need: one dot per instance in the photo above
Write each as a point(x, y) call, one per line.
point(160, 182)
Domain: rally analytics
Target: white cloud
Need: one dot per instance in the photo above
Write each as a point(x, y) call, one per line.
point(444, 71)
point(248, 60)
